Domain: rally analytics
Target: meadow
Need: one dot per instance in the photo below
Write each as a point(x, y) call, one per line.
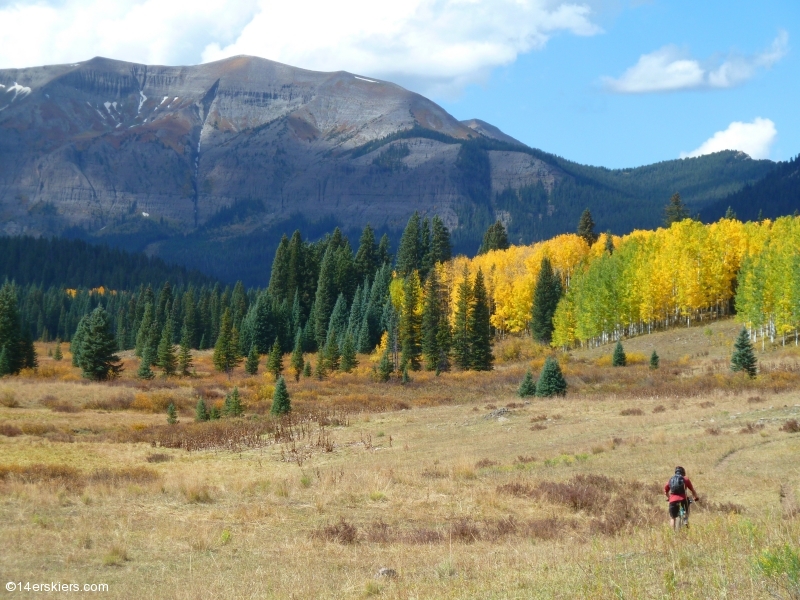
point(453, 483)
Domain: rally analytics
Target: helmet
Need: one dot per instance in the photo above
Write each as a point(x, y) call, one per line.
point(680, 471)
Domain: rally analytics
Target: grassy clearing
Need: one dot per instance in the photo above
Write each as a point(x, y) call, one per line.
point(547, 498)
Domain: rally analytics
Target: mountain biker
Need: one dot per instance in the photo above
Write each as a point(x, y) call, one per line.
point(675, 491)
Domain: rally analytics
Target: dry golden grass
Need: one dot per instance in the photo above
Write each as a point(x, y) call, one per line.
point(553, 499)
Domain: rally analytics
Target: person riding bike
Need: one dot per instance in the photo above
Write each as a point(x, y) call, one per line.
point(675, 491)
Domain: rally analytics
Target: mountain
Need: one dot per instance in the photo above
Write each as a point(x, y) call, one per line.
point(777, 194)
point(207, 165)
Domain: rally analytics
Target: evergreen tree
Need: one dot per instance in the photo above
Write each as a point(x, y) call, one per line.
point(98, 360)
point(251, 364)
point(296, 360)
point(5, 362)
point(743, 358)
point(384, 253)
point(226, 349)
point(426, 251)
point(433, 319)
point(495, 238)
point(480, 328)
point(307, 369)
point(279, 276)
point(348, 361)
point(609, 243)
point(185, 352)
point(172, 414)
point(618, 359)
point(404, 379)
point(275, 360)
point(546, 295)
point(319, 368)
point(10, 330)
point(339, 318)
point(77, 340)
point(145, 372)
point(325, 297)
point(330, 352)
point(145, 328)
point(654, 360)
point(29, 358)
point(730, 214)
point(586, 228)
point(200, 411)
point(213, 414)
point(441, 250)
point(461, 332)
point(366, 260)
point(167, 360)
point(384, 370)
point(411, 323)
point(281, 404)
point(233, 404)
point(675, 211)
point(551, 381)
point(409, 253)
point(57, 354)
point(528, 386)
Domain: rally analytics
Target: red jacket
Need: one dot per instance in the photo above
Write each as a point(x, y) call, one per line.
point(677, 497)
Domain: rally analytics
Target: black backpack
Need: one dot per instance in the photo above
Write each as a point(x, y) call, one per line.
point(676, 485)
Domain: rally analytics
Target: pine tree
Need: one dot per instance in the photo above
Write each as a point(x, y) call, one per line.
point(426, 254)
point(213, 414)
point(461, 332)
point(98, 360)
point(184, 352)
point(348, 361)
point(366, 260)
point(409, 253)
point(77, 340)
point(404, 379)
point(172, 414)
point(730, 214)
point(319, 368)
point(441, 250)
point(233, 404)
point(609, 243)
point(251, 364)
point(384, 253)
point(10, 330)
point(384, 370)
point(618, 359)
point(29, 358)
point(654, 360)
point(586, 228)
point(675, 211)
point(743, 358)
point(57, 354)
point(167, 360)
point(281, 404)
point(495, 238)
point(226, 349)
point(411, 323)
point(307, 369)
point(296, 360)
point(145, 327)
point(480, 328)
point(528, 386)
point(5, 362)
point(145, 372)
point(200, 411)
point(546, 295)
point(330, 352)
point(275, 360)
point(551, 381)
point(325, 297)
point(432, 317)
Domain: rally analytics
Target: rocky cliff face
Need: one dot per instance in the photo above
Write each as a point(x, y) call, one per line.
point(104, 143)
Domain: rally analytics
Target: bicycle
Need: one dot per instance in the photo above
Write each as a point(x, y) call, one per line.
point(683, 514)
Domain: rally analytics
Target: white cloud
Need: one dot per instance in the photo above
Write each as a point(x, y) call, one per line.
point(754, 138)
point(669, 69)
point(437, 44)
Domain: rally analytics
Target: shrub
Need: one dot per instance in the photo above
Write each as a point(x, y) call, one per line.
point(791, 426)
point(632, 412)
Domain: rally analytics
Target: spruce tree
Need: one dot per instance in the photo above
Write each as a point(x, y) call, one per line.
point(167, 360)
point(411, 323)
point(279, 276)
point(251, 364)
point(743, 358)
point(348, 361)
point(461, 332)
point(226, 349)
point(213, 414)
point(495, 238)
point(654, 360)
point(551, 381)
point(307, 369)
point(10, 330)
point(426, 255)
point(366, 260)
point(172, 414)
point(145, 328)
point(618, 359)
point(185, 352)
point(586, 228)
point(330, 352)
point(609, 243)
point(233, 404)
point(384, 370)
point(409, 253)
point(675, 211)
point(325, 297)
point(29, 358)
point(441, 250)
point(57, 354)
point(145, 372)
point(384, 253)
point(200, 411)
point(432, 317)
point(77, 340)
point(528, 386)
point(404, 379)
point(275, 360)
point(546, 295)
point(319, 368)
point(5, 362)
point(281, 404)
point(480, 328)
point(98, 360)
point(296, 360)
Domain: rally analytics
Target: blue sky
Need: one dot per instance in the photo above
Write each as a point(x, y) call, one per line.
point(555, 99)
point(617, 83)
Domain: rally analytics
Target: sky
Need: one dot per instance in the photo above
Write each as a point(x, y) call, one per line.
point(614, 83)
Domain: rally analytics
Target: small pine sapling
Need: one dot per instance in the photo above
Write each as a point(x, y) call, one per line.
point(172, 414)
point(281, 404)
point(654, 360)
point(743, 358)
point(618, 359)
point(145, 372)
point(307, 369)
point(527, 387)
point(384, 370)
point(251, 364)
point(200, 411)
point(213, 414)
point(275, 360)
point(405, 378)
point(551, 380)
point(349, 360)
point(233, 404)
point(57, 355)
